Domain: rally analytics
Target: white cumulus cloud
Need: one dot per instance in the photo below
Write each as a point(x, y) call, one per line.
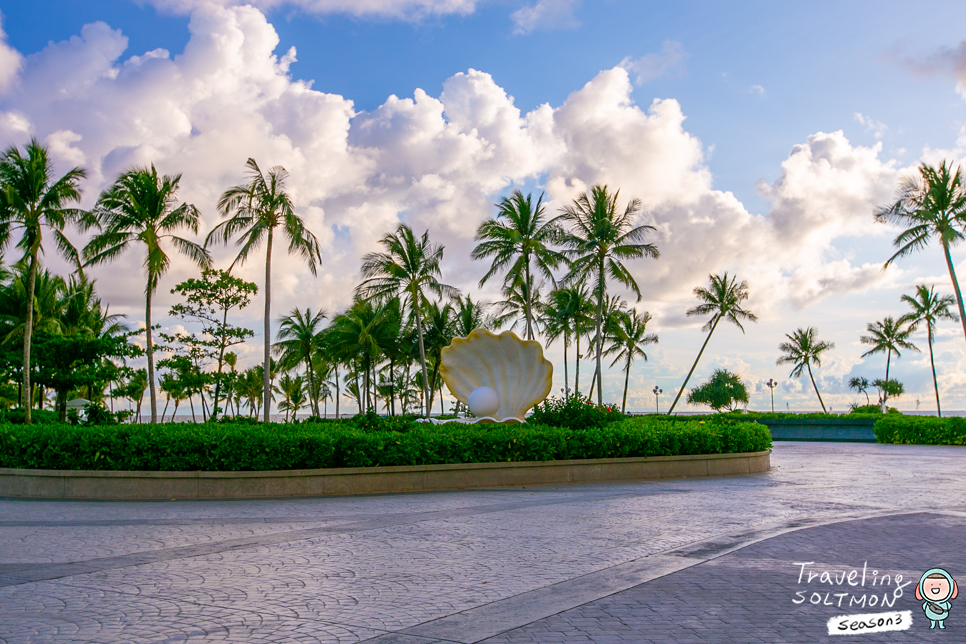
point(438, 162)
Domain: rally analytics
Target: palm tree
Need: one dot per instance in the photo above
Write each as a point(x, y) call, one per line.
point(930, 205)
point(141, 207)
point(723, 301)
point(614, 307)
point(568, 313)
point(251, 385)
point(801, 350)
point(30, 201)
point(297, 342)
point(627, 338)
point(521, 300)
point(861, 385)
point(469, 315)
point(600, 239)
point(292, 390)
point(928, 308)
point(518, 240)
point(254, 210)
point(409, 267)
point(887, 336)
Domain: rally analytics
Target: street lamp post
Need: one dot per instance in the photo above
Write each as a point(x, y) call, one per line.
point(771, 385)
point(657, 392)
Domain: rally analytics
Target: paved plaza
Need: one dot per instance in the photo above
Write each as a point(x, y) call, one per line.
point(726, 559)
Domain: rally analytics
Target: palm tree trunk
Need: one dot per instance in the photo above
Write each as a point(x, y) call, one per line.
point(191, 401)
point(166, 402)
point(528, 303)
point(627, 377)
point(392, 387)
point(422, 355)
point(935, 382)
point(681, 390)
point(959, 295)
point(221, 362)
point(267, 385)
point(27, 335)
point(885, 396)
point(313, 393)
point(600, 335)
point(336, 389)
point(577, 363)
point(566, 370)
point(149, 347)
point(815, 387)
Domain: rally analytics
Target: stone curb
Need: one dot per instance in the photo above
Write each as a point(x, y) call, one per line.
point(88, 484)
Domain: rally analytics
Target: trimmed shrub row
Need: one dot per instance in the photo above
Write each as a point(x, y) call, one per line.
point(920, 430)
point(229, 447)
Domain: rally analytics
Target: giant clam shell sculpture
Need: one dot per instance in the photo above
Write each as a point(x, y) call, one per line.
point(500, 377)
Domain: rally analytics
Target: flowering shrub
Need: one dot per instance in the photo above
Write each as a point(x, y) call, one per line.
point(575, 412)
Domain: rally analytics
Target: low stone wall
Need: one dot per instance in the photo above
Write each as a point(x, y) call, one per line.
point(71, 484)
point(852, 430)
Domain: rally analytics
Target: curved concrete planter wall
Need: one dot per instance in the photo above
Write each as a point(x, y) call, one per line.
point(70, 484)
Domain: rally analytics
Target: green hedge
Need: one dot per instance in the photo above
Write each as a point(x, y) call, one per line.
point(227, 447)
point(921, 430)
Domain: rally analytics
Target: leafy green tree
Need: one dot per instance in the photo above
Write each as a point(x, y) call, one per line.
point(722, 300)
point(598, 243)
point(861, 385)
point(802, 349)
point(189, 376)
point(627, 338)
point(297, 343)
point(254, 210)
point(887, 336)
point(208, 301)
point(888, 388)
point(931, 205)
point(70, 362)
point(724, 390)
point(518, 239)
point(409, 268)
point(133, 388)
point(928, 308)
point(141, 207)
point(32, 201)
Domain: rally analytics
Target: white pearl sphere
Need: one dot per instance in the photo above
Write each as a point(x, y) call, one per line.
point(484, 401)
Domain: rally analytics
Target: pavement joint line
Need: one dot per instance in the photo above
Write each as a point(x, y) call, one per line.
point(48, 571)
point(483, 622)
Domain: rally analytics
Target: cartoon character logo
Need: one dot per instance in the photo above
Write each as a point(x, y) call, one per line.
point(936, 590)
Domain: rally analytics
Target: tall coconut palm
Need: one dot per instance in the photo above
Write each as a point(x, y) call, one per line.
point(297, 342)
point(722, 299)
point(928, 308)
point(627, 338)
point(142, 208)
point(931, 205)
point(888, 337)
point(518, 239)
point(409, 268)
point(801, 350)
point(254, 210)
point(600, 239)
point(32, 201)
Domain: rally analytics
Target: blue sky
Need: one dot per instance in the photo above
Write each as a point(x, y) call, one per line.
point(754, 82)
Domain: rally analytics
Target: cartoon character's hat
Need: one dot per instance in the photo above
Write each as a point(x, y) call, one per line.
point(920, 592)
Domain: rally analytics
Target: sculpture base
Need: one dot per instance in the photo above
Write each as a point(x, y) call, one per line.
point(485, 420)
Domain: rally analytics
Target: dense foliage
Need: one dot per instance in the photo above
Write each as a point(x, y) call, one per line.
point(235, 447)
point(724, 390)
point(920, 430)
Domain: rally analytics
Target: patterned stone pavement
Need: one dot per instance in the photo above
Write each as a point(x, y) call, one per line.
point(686, 560)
